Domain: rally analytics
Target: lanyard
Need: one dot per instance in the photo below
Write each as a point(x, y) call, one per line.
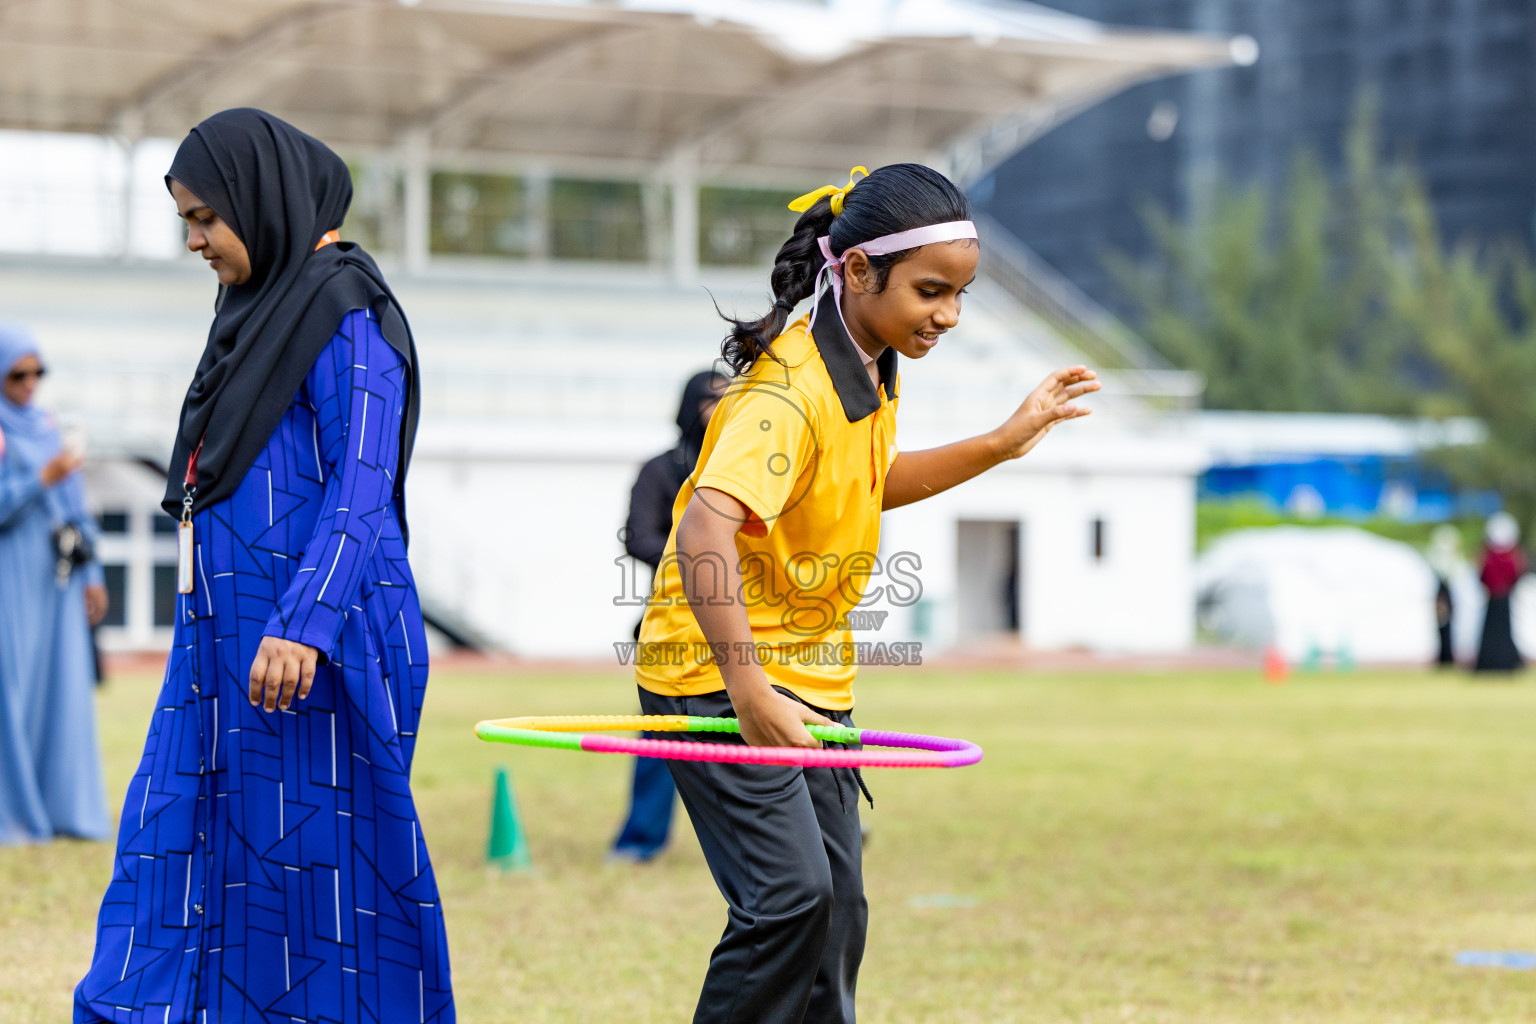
point(184, 528)
point(189, 485)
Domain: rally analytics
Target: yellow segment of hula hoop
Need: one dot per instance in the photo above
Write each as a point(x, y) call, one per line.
point(596, 723)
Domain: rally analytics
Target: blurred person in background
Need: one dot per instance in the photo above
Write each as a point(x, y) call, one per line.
point(271, 863)
point(1503, 565)
point(51, 593)
point(645, 538)
point(1444, 557)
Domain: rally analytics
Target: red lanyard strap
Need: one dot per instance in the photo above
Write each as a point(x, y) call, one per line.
point(190, 487)
point(191, 479)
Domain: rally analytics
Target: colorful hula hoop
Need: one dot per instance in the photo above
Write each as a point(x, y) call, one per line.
point(576, 732)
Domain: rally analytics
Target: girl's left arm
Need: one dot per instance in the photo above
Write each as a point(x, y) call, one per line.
point(358, 390)
point(918, 475)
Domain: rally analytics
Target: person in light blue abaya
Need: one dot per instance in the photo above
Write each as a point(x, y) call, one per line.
point(270, 862)
point(50, 593)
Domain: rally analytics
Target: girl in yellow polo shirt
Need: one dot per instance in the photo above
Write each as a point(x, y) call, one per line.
point(776, 536)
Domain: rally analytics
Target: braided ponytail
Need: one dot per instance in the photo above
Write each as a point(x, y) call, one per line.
point(793, 279)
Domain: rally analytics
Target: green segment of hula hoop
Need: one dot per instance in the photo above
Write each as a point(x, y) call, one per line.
point(528, 737)
point(825, 733)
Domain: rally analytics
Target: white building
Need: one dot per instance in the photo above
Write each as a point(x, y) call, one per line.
point(618, 159)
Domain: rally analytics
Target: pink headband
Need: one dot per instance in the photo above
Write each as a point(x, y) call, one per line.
point(832, 270)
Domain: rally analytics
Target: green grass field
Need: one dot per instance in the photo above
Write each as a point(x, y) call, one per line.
point(1134, 848)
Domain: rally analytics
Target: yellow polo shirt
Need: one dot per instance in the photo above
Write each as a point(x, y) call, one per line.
point(805, 445)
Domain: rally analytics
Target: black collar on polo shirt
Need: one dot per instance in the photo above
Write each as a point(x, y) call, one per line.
point(841, 355)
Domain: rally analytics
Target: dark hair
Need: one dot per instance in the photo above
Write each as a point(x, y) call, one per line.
point(897, 197)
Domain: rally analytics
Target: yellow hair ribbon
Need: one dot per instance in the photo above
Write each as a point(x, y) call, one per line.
point(808, 200)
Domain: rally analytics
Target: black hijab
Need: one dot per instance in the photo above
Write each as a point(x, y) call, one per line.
point(701, 387)
point(280, 191)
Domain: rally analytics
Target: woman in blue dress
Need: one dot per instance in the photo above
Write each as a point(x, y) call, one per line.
point(270, 862)
point(50, 764)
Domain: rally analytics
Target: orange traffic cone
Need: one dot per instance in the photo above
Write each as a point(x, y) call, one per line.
point(1275, 667)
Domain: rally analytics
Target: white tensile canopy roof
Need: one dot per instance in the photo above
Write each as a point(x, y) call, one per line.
point(755, 89)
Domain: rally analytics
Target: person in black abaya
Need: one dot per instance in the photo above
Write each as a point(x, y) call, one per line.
point(645, 538)
point(270, 860)
point(1503, 565)
point(1444, 557)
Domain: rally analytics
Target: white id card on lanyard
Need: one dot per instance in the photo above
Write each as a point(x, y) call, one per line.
point(184, 557)
point(184, 528)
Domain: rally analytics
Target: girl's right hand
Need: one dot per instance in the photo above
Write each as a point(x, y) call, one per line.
point(774, 720)
point(60, 467)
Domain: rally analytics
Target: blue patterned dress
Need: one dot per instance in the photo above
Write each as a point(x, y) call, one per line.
point(271, 867)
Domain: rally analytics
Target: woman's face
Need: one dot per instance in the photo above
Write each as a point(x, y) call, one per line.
point(210, 237)
point(920, 300)
point(20, 383)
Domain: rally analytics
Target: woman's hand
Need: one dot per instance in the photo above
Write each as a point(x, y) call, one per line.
point(282, 667)
point(1046, 406)
point(96, 603)
point(60, 467)
point(770, 719)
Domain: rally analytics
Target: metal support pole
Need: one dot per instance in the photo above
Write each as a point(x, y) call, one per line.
point(653, 207)
point(127, 150)
point(416, 216)
point(536, 189)
point(130, 130)
point(684, 179)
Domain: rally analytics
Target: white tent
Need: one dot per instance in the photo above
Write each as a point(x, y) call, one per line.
point(1341, 593)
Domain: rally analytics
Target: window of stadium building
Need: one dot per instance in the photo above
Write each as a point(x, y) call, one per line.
point(597, 220)
point(377, 199)
point(482, 215)
point(503, 216)
point(742, 227)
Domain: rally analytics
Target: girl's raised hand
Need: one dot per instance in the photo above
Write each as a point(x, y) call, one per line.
point(1046, 406)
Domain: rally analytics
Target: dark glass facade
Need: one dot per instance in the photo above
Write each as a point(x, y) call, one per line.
point(1457, 86)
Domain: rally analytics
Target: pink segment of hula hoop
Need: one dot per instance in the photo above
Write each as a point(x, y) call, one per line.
point(932, 752)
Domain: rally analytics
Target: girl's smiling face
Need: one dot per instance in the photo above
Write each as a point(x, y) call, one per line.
point(920, 300)
point(211, 238)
